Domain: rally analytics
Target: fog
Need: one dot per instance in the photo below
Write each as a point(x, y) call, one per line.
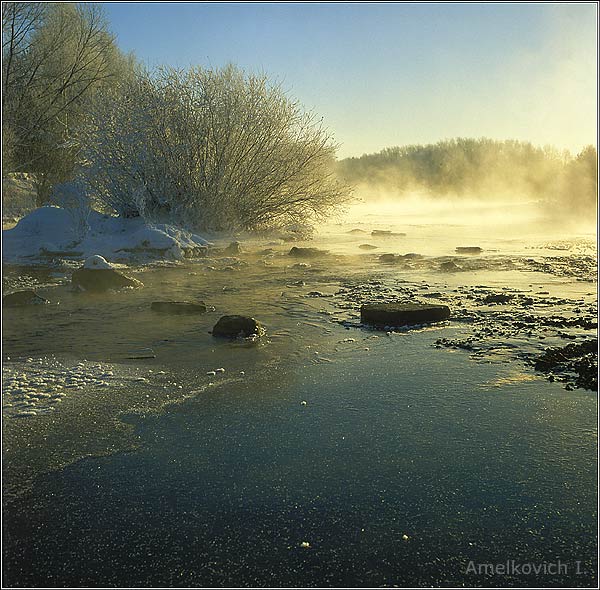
point(480, 181)
point(499, 215)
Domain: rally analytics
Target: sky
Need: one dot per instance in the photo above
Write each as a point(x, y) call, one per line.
point(386, 74)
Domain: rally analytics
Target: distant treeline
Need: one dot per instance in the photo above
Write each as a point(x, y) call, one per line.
point(479, 168)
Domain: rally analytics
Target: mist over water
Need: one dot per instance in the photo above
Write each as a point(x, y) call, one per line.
point(437, 225)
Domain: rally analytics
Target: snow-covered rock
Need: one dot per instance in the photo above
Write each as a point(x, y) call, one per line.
point(97, 262)
point(52, 230)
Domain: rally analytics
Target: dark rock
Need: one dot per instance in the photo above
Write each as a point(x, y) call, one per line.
point(384, 233)
point(235, 326)
point(402, 314)
point(449, 266)
point(573, 361)
point(387, 258)
point(469, 250)
point(460, 344)
point(306, 252)
point(368, 247)
point(99, 280)
point(498, 298)
point(233, 249)
point(178, 307)
point(19, 298)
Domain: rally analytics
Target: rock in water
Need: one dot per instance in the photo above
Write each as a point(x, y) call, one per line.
point(233, 249)
point(368, 247)
point(97, 262)
point(402, 314)
point(449, 266)
point(386, 233)
point(498, 298)
point(387, 258)
point(102, 280)
point(178, 307)
point(469, 250)
point(235, 326)
point(307, 252)
point(19, 298)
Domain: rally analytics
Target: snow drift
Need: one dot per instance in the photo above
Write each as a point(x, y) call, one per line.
point(52, 231)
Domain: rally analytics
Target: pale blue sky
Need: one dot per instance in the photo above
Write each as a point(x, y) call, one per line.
point(391, 74)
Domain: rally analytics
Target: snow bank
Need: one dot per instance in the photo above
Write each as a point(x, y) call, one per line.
point(52, 231)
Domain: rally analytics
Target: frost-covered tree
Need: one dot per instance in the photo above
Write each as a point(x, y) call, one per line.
point(55, 57)
point(214, 149)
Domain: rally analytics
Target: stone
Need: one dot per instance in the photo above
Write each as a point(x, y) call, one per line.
point(384, 233)
point(307, 252)
point(449, 266)
point(368, 247)
point(19, 298)
point(102, 280)
point(235, 326)
point(356, 231)
point(233, 249)
point(498, 298)
point(141, 353)
point(178, 307)
point(97, 262)
point(402, 314)
point(387, 258)
point(468, 250)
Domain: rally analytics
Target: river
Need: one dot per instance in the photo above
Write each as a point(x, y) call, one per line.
point(325, 454)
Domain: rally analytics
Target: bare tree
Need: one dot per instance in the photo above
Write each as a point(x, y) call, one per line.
point(55, 56)
point(215, 149)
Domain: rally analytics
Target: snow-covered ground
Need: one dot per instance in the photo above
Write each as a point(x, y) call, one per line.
point(53, 231)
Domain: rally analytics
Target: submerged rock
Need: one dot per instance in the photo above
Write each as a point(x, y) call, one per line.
point(235, 326)
point(368, 247)
point(357, 231)
point(469, 250)
point(450, 266)
point(104, 279)
point(19, 298)
point(141, 354)
point(178, 307)
point(402, 314)
point(307, 252)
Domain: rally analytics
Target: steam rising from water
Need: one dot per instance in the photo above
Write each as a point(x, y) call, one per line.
point(497, 217)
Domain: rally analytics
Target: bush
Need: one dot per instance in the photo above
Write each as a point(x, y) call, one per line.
point(213, 149)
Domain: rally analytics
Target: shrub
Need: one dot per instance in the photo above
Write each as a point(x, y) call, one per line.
point(214, 149)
